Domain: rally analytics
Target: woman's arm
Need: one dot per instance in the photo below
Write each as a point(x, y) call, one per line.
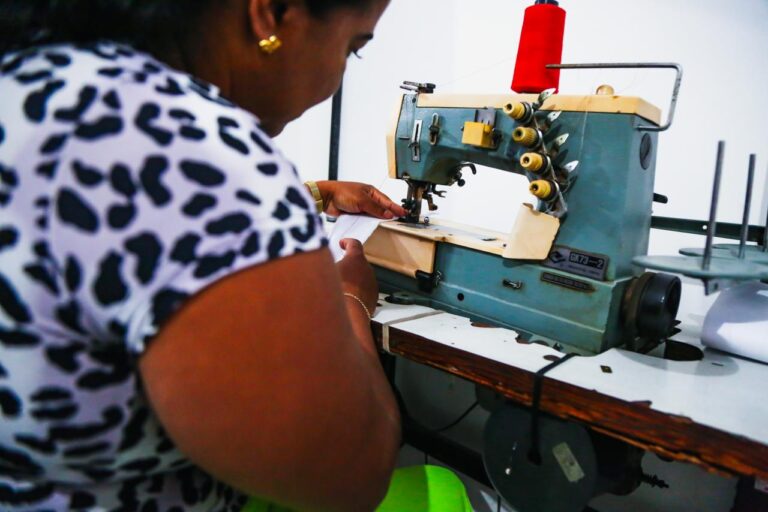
point(263, 381)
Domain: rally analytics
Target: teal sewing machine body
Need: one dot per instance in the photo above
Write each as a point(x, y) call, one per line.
point(586, 296)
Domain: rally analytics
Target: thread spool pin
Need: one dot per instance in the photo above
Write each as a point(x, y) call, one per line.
point(712, 226)
point(747, 205)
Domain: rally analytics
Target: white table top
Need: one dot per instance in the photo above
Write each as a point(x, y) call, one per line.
point(721, 391)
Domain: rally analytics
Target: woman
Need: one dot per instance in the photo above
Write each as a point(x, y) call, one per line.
point(174, 334)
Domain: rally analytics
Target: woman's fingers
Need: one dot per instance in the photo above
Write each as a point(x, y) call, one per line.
point(351, 246)
point(374, 209)
point(382, 206)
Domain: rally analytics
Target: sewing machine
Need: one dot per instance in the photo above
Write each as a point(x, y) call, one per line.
point(564, 277)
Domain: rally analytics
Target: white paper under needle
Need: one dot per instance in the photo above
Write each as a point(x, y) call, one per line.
point(359, 227)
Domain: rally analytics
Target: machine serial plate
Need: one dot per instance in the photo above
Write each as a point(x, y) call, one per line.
point(567, 282)
point(568, 463)
point(577, 262)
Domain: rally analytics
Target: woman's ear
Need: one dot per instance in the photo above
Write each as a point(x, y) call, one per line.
point(267, 16)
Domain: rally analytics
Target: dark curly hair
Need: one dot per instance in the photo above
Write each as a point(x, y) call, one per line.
point(145, 24)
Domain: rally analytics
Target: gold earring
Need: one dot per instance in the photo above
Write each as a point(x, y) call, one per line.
point(270, 45)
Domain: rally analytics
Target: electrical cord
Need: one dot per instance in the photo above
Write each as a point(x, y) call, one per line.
point(457, 420)
point(405, 414)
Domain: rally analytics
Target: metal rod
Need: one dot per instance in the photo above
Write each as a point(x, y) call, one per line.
point(727, 230)
point(747, 206)
point(333, 155)
point(765, 234)
point(641, 65)
point(712, 226)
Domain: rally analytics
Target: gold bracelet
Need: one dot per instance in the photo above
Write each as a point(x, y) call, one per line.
point(365, 308)
point(315, 190)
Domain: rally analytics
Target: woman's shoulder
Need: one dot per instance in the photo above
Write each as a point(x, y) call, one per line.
point(107, 92)
point(104, 119)
point(120, 159)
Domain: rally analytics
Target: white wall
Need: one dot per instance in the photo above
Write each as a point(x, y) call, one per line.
point(306, 142)
point(469, 46)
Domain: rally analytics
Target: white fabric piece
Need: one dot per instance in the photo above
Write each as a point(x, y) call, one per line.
point(738, 322)
point(359, 227)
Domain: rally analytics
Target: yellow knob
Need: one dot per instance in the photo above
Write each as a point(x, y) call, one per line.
point(605, 90)
point(543, 189)
point(515, 110)
point(528, 137)
point(532, 162)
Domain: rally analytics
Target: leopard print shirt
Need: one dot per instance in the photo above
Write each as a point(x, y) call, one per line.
point(126, 187)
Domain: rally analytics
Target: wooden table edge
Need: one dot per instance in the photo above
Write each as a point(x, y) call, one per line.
point(668, 435)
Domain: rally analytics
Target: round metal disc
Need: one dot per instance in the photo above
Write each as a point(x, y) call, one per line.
point(564, 480)
point(698, 251)
point(720, 268)
point(752, 253)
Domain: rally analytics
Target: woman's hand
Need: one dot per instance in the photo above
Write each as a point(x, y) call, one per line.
point(357, 275)
point(349, 197)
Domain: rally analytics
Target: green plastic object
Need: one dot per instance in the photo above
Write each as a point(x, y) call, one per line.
point(412, 489)
point(259, 505)
point(425, 489)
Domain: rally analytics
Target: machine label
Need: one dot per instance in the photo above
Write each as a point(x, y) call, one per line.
point(568, 463)
point(567, 282)
point(577, 262)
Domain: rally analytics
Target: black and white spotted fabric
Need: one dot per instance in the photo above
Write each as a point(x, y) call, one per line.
point(125, 188)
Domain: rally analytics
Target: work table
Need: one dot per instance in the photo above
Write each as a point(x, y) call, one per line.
point(710, 412)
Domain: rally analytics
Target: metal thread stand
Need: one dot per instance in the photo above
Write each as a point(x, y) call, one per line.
point(712, 227)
